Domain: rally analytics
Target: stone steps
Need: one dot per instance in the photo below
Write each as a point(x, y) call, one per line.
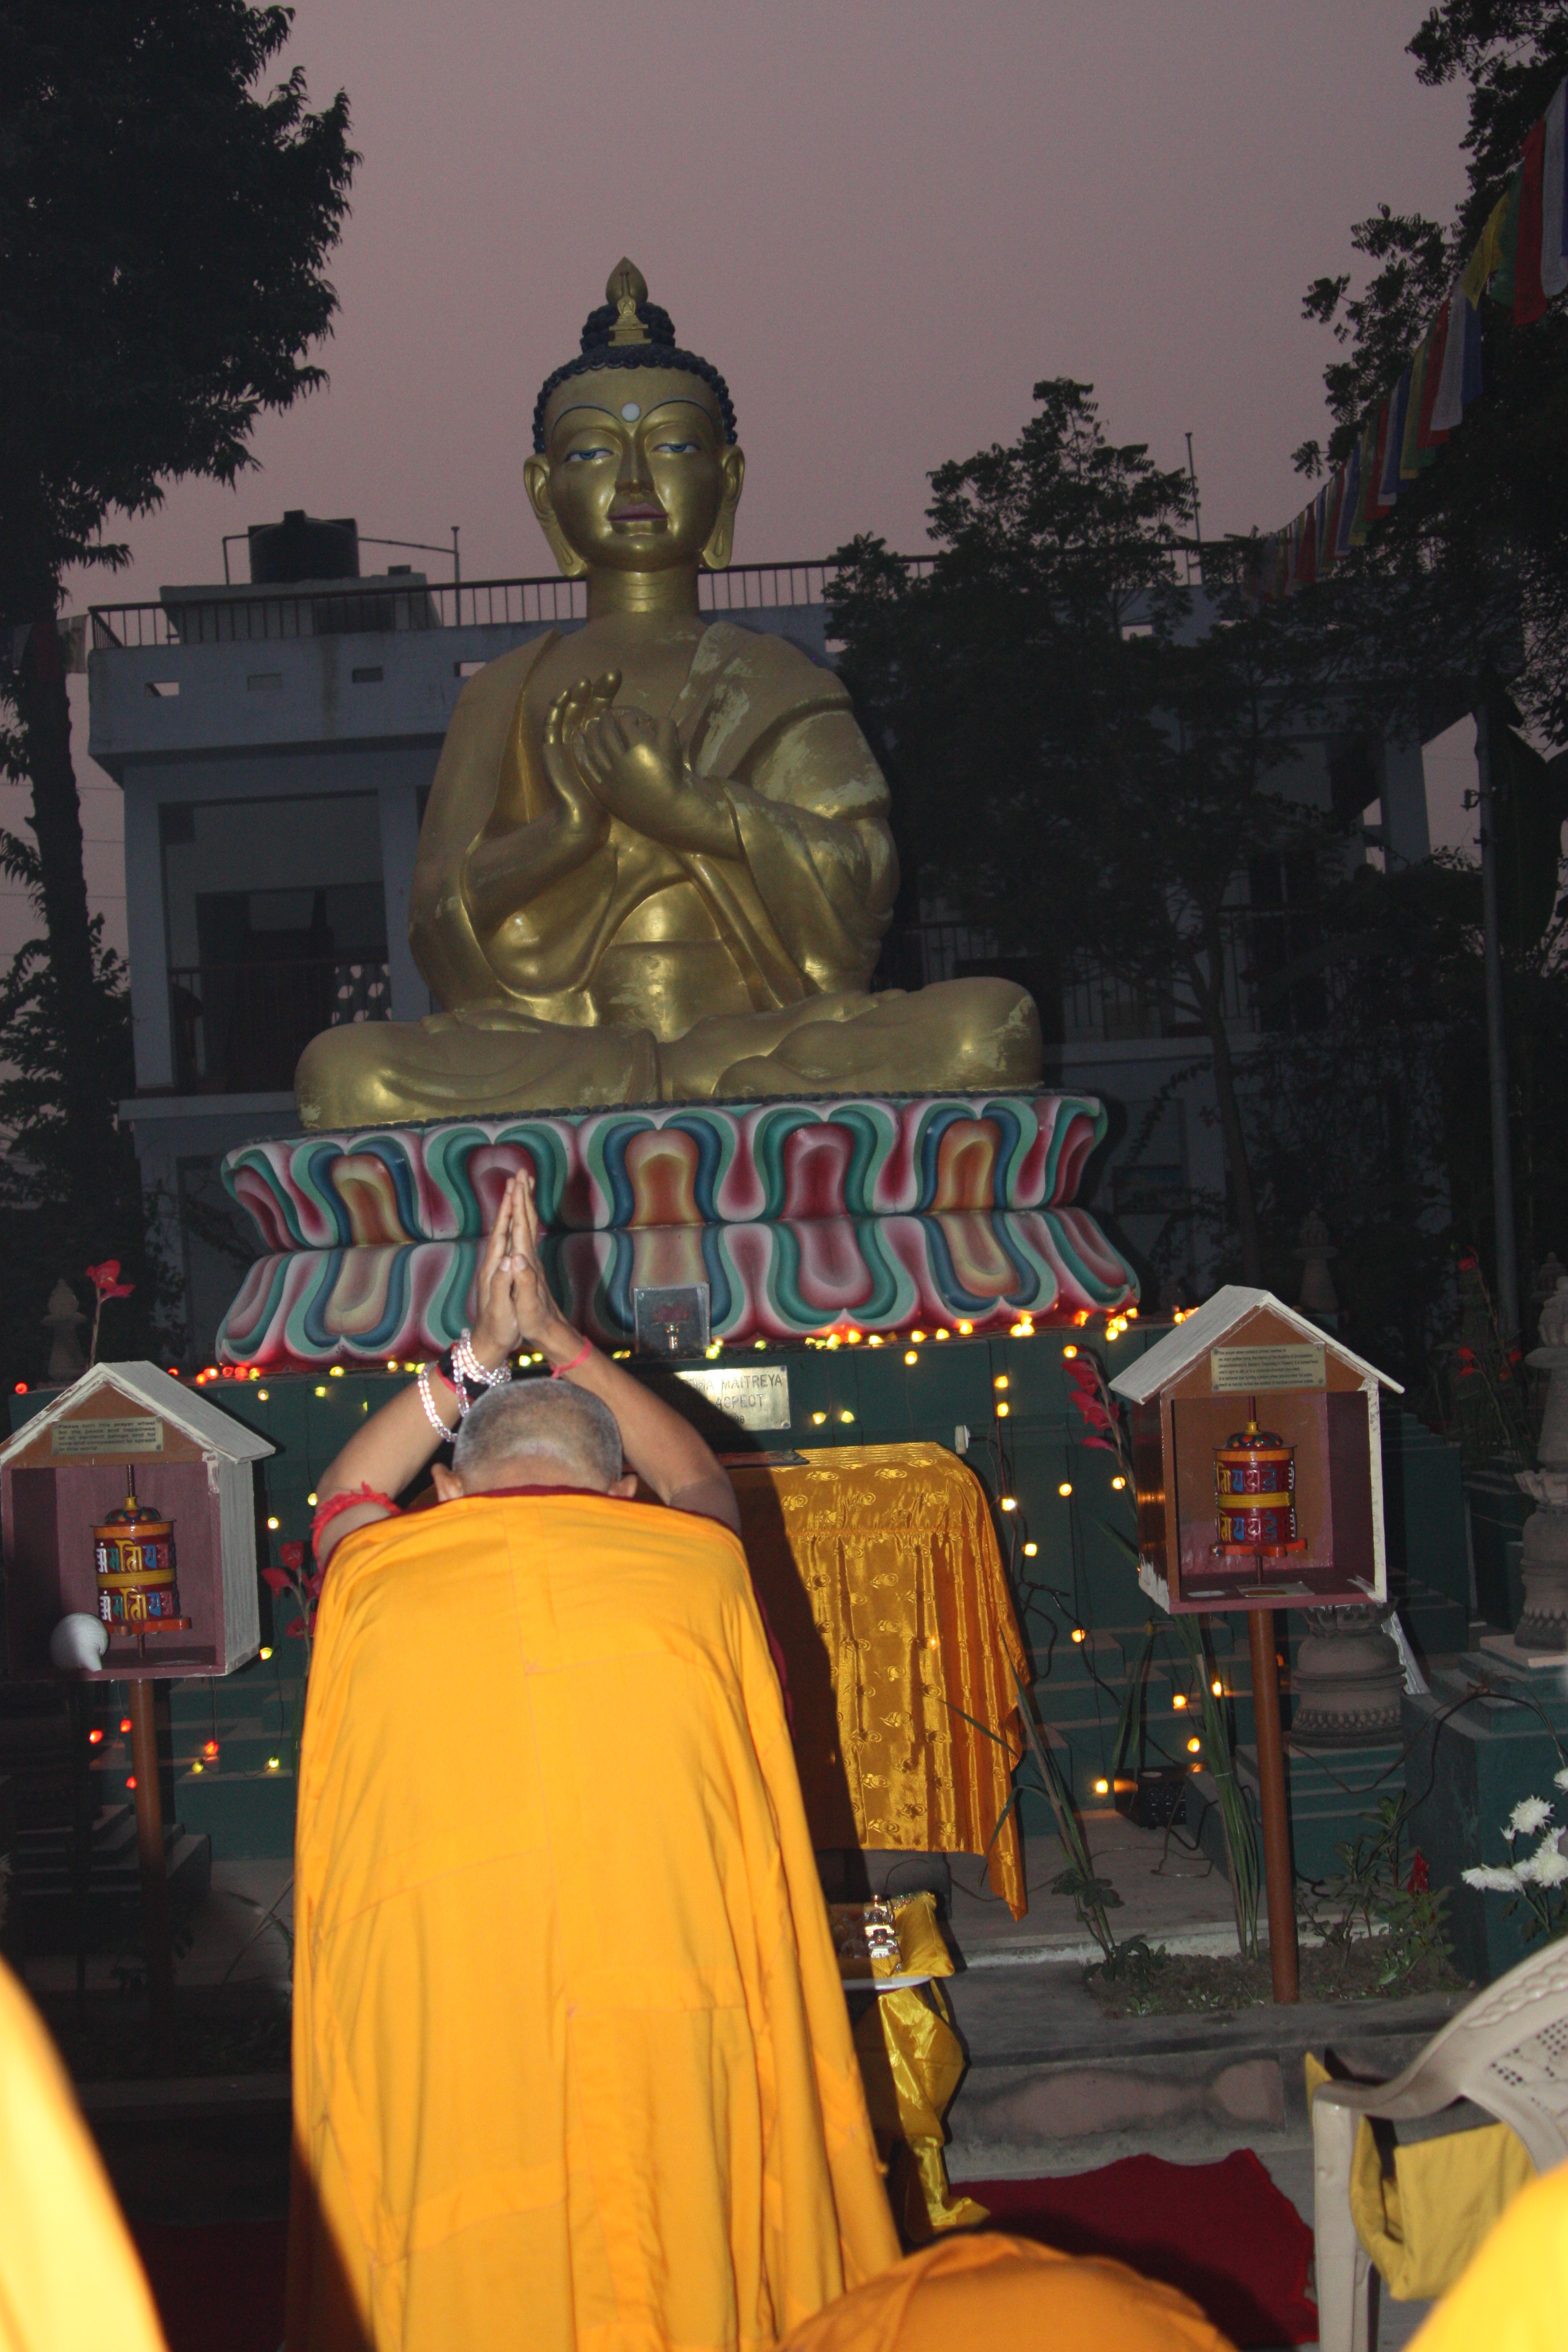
point(42, 1886)
point(1054, 2086)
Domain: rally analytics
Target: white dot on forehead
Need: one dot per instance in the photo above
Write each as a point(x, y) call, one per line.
point(630, 411)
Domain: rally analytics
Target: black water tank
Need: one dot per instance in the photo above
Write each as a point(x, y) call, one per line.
point(303, 548)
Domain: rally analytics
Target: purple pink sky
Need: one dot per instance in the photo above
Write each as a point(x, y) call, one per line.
point(884, 221)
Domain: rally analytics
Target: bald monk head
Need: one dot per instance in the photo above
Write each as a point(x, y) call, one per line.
point(538, 1433)
point(987, 2289)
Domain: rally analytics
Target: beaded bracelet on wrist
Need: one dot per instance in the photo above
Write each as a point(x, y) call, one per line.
point(431, 1414)
point(471, 1372)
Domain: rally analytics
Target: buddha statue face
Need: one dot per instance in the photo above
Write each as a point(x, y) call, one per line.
point(637, 476)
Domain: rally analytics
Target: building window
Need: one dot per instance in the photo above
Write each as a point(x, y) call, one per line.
point(277, 928)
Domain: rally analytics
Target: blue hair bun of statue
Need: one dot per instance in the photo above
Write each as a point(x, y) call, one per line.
point(628, 330)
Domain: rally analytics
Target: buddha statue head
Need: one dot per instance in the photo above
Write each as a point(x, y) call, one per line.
point(635, 466)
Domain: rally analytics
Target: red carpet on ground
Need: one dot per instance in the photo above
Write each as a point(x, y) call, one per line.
point(218, 2288)
point(1223, 2233)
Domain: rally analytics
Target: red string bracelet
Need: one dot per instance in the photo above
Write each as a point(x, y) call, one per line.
point(348, 1501)
point(562, 1370)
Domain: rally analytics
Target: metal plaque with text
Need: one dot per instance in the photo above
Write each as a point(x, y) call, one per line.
point(1303, 1367)
point(136, 1433)
point(753, 1397)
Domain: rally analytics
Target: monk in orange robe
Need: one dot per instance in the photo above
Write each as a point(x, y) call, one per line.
point(967, 2291)
point(572, 2062)
point(70, 2278)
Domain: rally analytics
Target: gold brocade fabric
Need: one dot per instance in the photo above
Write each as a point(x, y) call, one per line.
point(911, 2062)
point(879, 1568)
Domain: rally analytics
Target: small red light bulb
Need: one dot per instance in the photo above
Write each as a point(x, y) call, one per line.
point(130, 1779)
point(95, 1738)
point(21, 1388)
point(125, 1722)
point(209, 1748)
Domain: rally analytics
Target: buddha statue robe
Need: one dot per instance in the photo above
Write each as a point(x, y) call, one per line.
point(642, 972)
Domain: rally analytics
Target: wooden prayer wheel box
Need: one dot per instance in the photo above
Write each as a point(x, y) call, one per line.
point(64, 1476)
point(1245, 1358)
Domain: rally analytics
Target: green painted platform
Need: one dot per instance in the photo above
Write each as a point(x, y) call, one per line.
point(1485, 1737)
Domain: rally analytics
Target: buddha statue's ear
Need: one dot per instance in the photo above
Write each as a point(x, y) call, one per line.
point(536, 481)
point(722, 538)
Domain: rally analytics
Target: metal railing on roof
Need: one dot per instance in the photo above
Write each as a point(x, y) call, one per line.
point(378, 606)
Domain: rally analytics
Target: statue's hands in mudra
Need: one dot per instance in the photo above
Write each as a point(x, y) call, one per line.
point(585, 815)
point(636, 770)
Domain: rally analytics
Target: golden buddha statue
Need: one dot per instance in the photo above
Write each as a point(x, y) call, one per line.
point(655, 865)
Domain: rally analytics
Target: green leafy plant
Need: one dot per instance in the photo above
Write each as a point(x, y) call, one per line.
point(1378, 1894)
point(1236, 1820)
point(1092, 1896)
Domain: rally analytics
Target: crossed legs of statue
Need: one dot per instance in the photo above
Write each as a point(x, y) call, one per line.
point(487, 1060)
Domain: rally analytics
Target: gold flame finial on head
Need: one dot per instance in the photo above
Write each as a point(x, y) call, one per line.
point(627, 288)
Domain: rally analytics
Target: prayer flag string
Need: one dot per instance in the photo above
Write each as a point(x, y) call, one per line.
point(1520, 262)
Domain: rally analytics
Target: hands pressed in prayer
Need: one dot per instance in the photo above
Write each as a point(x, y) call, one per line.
point(516, 1312)
point(540, 1321)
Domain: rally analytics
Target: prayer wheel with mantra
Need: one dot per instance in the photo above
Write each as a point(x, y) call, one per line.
point(1255, 1492)
point(134, 1552)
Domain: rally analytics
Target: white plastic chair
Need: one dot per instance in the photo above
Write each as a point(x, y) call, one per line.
point(1507, 2051)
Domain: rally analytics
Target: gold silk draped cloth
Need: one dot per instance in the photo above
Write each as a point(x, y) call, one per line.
point(879, 1571)
point(911, 2062)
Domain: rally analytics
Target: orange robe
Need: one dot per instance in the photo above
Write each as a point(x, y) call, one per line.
point(993, 2293)
point(1514, 2293)
point(69, 2278)
point(571, 2062)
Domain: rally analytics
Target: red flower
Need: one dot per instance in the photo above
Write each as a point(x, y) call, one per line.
point(1420, 1877)
point(105, 1280)
point(1082, 1375)
point(277, 1580)
point(298, 1628)
point(1094, 1413)
point(292, 1556)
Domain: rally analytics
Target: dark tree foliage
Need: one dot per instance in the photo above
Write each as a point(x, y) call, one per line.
point(1472, 566)
point(1359, 1114)
point(1078, 767)
point(1460, 598)
point(164, 223)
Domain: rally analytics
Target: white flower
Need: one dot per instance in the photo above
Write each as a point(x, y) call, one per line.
point(1546, 1866)
point(1530, 1813)
point(1492, 1881)
point(1559, 1779)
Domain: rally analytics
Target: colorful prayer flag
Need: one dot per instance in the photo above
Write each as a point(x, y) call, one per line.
point(1412, 458)
point(1350, 495)
point(1528, 299)
point(1427, 439)
point(1446, 384)
point(1555, 197)
point(1394, 442)
point(1483, 263)
point(1501, 286)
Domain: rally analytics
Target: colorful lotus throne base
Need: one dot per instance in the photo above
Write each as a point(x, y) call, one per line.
point(799, 1216)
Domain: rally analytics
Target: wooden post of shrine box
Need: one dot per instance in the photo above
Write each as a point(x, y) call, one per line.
point(1246, 1375)
point(63, 1477)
